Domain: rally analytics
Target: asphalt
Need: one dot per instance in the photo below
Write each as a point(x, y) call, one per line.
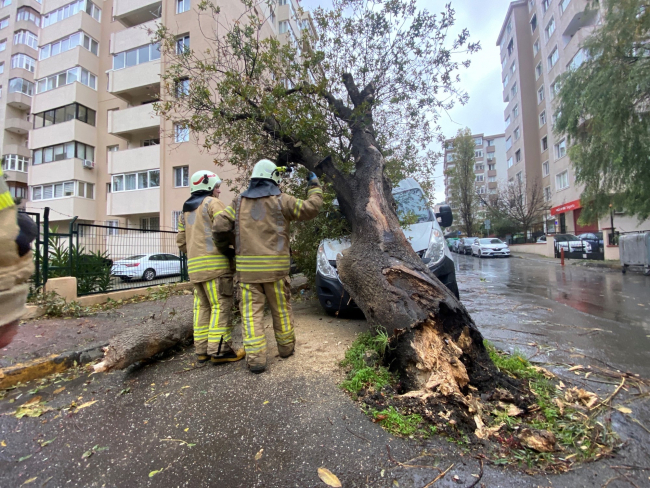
point(166, 424)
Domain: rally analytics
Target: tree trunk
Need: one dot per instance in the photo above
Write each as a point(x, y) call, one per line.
point(143, 341)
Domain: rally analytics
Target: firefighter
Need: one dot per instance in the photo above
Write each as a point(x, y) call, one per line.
point(17, 231)
point(260, 219)
point(210, 271)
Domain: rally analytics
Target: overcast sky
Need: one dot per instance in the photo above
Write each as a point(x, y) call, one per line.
point(482, 80)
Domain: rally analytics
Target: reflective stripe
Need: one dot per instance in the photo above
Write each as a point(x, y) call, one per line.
point(278, 286)
point(216, 308)
point(6, 201)
point(207, 267)
point(283, 338)
point(205, 263)
point(200, 331)
point(314, 190)
point(297, 208)
point(263, 263)
point(181, 227)
point(230, 211)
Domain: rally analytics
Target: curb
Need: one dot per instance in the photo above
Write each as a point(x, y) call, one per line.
point(41, 367)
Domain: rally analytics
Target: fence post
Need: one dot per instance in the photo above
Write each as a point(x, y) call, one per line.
point(562, 256)
point(70, 246)
point(39, 250)
point(46, 244)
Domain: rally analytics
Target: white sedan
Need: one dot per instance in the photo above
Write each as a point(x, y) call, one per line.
point(146, 266)
point(490, 247)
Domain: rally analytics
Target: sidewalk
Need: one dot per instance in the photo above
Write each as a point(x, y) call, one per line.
point(586, 263)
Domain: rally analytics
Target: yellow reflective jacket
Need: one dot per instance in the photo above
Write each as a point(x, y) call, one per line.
point(204, 260)
point(261, 227)
point(14, 269)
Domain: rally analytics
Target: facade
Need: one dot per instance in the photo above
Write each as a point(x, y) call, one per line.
point(539, 41)
point(82, 114)
point(490, 165)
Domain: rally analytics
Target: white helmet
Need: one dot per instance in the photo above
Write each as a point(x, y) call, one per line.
point(266, 169)
point(204, 180)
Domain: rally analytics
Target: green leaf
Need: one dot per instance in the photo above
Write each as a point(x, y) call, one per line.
point(154, 473)
point(24, 458)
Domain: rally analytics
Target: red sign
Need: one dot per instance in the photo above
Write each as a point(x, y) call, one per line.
point(566, 207)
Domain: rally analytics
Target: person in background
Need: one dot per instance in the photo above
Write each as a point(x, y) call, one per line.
point(17, 231)
point(210, 271)
point(260, 218)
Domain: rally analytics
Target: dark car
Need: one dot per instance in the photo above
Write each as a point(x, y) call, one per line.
point(465, 245)
point(595, 240)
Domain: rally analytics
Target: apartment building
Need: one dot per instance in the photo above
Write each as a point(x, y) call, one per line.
point(539, 41)
point(489, 167)
point(20, 22)
point(96, 150)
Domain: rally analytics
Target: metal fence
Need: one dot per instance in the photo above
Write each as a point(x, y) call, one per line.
point(105, 258)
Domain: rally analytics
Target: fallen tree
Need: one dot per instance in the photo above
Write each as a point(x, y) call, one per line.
point(367, 90)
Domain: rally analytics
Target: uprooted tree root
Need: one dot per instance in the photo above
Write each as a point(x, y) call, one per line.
point(526, 417)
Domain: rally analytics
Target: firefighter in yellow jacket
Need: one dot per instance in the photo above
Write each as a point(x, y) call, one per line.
point(260, 218)
point(210, 271)
point(16, 265)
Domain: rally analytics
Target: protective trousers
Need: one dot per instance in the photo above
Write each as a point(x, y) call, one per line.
point(212, 314)
point(278, 293)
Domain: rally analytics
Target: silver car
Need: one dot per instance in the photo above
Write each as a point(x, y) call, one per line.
point(490, 247)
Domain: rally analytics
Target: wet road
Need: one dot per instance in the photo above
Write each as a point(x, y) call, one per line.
point(583, 297)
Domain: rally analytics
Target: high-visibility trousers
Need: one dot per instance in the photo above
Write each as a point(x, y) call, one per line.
point(253, 296)
point(213, 314)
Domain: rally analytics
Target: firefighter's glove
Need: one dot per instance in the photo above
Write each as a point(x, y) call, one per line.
point(28, 232)
point(312, 180)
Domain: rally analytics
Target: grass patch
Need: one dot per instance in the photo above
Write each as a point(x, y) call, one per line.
point(397, 423)
point(361, 374)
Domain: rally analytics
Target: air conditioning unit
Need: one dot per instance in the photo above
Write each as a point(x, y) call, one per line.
point(88, 164)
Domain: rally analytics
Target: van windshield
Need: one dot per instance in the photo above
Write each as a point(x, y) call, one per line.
point(412, 202)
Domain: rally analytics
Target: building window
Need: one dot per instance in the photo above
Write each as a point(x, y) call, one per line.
point(555, 117)
point(60, 152)
point(492, 179)
point(67, 43)
point(545, 168)
point(450, 157)
point(480, 177)
point(77, 73)
point(550, 28)
point(139, 55)
point(176, 216)
point(479, 167)
point(562, 180)
point(23, 61)
point(545, 4)
point(560, 149)
point(536, 47)
point(181, 133)
point(504, 61)
point(544, 143)
point(538, 71)
point(2, 68)
point(490, 156)
point(3, 45)
point(508, 121)
point(508, 143)
point(515, 111)
point(492, 167)
point(183, 44)
point(478, 154)
point(6, 3)
point(26, 37)
point(18, 85)
point(182, 6)
point(510, 162)
point(112, 227)
point(511, 47)
point(513, 68)
point(28, 14)
point(63, 190)
point(552, 59)
point(150, 142)
point(74, 111)
point(540, 95)
point(182, 88)
point(519, 177)
point(150, 223)
point(509, 27)
point(555, 88)
point(542, 119)
point(514, 90)
point(14, 162)
point(490, 143)
point(563, 5)
point(71, 9)
point(4, 23)
point(533, 24)
point(517, 134)
point(547, 194)
point(518, 155)
point(580, 57)
point(136, 181)
point(182, 176)
point(506, 80)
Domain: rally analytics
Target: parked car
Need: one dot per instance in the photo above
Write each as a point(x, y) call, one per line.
point(465, 247)
point(571, 243)
point(490, 247)
point(595, 240)
point(456, 244)
point(146, 266)
point(425, 236)
point(541, 240)
point(451, 241)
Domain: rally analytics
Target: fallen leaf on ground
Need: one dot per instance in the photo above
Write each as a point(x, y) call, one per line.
point(154, 473)
point(3, 444)
point(538, 440)
point(265, 402)
point(45, 443)
point(87, 454)
point(575, 395)
point(186, 429)
point(258, 456)
point(24, 458)
point(576, 368)
point(623, 409)
point(87, 404)
point(31, 410)
point(545, 372)
point(329, 478)
point(560, 405)
point(35, 399)
point(58, 390)
point(30, 480)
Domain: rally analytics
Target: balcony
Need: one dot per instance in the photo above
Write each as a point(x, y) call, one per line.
point(19, 149)
point(131, 38)
point(63, 208)
point(580, 18)
point(15, 176)
point(132, 120)
point(18, 125)
point(492, 172)
point(133, 202)
point(131, 160)
point(136, 82)
point(135, 12)
point(19, 100)
point(77, 56)
point(74, 92)
point(73, 130)
point(64, 170)
point(492, 185)
point(80, 21)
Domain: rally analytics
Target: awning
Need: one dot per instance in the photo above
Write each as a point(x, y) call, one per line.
point(566, 207)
